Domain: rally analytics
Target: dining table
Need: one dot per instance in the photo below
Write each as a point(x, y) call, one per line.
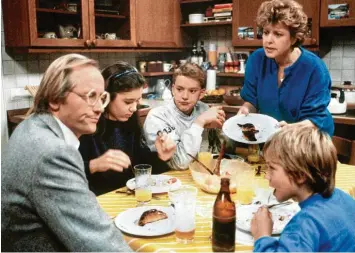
point(115, 202)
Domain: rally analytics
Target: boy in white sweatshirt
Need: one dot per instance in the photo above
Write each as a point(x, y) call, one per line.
point(185, 117)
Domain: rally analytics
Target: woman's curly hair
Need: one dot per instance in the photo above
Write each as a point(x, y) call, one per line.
point(288, 12)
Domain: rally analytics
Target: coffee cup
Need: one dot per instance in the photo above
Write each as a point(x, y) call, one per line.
point(110, 36)
point(167, 67)
point(50, 35)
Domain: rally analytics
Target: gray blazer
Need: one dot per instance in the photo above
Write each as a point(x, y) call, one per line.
point(46, 204)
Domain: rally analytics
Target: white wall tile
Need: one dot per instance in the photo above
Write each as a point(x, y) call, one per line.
point(8, 82)
point(336, 63)
point(34, 79)
point(327, 62)
point(335, 75)
point(348, 63)
point(349, 50)
point(347, 75)
point(9, 105)
point(21, 80)
point(20, 67)
point(337, 51)
point(8, 67)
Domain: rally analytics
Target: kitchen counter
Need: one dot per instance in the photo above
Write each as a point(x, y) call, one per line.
point(347, 118)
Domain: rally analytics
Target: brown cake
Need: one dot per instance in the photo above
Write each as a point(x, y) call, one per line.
point(248, 131)
point(150, 216)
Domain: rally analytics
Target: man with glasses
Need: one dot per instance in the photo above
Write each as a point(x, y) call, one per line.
point(185, 117)
point(46, 203)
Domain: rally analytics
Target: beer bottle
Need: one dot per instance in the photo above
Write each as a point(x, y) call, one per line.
point(224, 219)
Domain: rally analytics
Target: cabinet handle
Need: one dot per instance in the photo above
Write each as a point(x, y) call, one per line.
point(87, 43)
point(139, 43)
point(94, 43)
point(313, 41)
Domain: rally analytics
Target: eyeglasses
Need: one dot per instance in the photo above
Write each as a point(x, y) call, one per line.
point(92, 98)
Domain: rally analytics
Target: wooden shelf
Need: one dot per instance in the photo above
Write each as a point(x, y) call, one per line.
point(207, 24)
point(221, 74)
point(194, 1)
point(157, 73)
point(56, 11)
point(103, 15)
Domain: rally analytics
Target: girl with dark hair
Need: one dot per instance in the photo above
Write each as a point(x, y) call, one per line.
point(117, 145)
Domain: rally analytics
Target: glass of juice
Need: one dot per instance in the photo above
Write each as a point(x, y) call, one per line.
point(143, 191)
point(184, 200)
point(245, 183)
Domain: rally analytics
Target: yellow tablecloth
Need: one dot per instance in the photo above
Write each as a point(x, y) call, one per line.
point(114, 203)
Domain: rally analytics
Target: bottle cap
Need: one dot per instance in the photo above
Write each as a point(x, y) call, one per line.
point(212, 47)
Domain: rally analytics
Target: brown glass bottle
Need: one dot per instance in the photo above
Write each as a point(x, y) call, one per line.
point(224, 218)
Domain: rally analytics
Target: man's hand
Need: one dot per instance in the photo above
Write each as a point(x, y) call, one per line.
point(111, 160)
point(261, 224)
point(212, 118)
point(165, 146)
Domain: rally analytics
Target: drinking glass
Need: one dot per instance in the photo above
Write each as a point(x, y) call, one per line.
point(184, 200)
point(143, 191)
point(245, 183)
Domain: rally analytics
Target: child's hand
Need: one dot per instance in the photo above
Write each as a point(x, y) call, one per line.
point(165, 146)
point(261, 224)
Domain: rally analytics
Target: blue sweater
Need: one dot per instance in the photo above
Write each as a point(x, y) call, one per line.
point(304, 93)
point(323, 224)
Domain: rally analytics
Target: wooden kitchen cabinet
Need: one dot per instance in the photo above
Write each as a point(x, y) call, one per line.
point(330, 17)
point(246, 34)
point(28, 22)
point(158, 23)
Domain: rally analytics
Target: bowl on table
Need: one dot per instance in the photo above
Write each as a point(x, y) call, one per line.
point(233, 97)
point(212, 183)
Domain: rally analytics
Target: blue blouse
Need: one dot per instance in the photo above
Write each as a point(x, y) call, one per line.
point(322, 225)
point(303, 94)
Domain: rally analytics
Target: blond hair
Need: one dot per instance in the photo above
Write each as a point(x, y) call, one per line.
point(288, 12)
point(192, 71)
point(305, 152)
point(56, 82)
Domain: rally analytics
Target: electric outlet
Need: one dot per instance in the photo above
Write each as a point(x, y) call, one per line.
point(19, 93)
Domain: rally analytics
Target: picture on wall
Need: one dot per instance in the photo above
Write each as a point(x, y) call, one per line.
point(338, 11)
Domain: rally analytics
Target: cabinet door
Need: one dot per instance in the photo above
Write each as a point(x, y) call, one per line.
point(246, 34)
point(337, 13)
point(311, 8)
point(112, 23)
point(158, 23)
point(68, 22)
point(244, 25)
point(32, 23)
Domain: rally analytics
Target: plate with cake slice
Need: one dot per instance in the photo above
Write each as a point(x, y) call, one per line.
point(250, 129)
point(147, 221)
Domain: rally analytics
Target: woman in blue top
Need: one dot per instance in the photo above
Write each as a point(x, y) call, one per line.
point(282, 79)
point(118, 143)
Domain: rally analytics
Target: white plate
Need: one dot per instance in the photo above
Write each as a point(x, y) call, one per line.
point(127, 221)
point(266, 125)
point(159, 183)
point(245, 214)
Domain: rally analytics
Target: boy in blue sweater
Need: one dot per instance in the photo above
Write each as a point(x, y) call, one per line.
point(302, 163)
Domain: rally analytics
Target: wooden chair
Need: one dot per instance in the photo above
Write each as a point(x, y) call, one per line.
point(345, 148)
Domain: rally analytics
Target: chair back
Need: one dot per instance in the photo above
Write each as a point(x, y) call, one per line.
point(345, 148)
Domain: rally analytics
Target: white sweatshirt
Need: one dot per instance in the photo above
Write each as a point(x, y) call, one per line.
point(180, 127)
